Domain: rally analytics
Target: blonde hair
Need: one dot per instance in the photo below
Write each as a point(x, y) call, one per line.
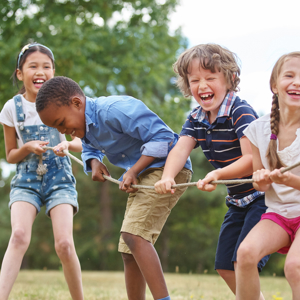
point(272, 156)
point(212, 57)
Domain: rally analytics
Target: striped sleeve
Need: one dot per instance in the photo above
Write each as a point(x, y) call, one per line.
point(188, 129)
point(242, 115)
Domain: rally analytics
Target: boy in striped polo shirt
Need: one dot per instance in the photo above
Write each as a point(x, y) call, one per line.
point(210, 73)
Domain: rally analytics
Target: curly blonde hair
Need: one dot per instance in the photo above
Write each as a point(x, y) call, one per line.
point(272, 156)
point(212, 57)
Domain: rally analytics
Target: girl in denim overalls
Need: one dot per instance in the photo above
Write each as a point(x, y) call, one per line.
point(43, 177)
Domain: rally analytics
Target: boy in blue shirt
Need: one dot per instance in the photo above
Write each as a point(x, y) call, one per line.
point(210, 74)
point(134, 138)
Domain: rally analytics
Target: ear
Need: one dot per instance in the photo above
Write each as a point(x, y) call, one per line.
point(274, 89)
point(77, 102)
point(19, 74)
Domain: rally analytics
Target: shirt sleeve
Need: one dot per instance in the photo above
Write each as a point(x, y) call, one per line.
point(135, 119)
point(242, 116)
point(6, 117)
point(88, 153)
point(188, 129)
point(250, 133)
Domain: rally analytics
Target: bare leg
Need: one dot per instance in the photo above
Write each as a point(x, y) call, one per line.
point(265, 237)
point(134, 279)
point(22, 218)
point(292, 267)
point(62, 222)
point(149, 264)
point(229, 278)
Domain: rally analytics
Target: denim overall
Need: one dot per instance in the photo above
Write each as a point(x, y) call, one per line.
point(54, 186)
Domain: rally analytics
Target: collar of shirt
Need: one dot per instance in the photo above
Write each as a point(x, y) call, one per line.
point(201, 115)
point(89, 112)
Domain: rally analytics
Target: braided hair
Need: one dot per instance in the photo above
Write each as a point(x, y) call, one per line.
point(272, 155)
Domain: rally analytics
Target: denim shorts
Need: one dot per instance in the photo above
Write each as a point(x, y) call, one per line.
point(237, 224)
point(55, 187)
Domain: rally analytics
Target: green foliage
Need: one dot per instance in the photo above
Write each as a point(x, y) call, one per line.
point(112, 47)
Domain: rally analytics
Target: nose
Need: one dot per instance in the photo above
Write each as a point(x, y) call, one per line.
point(202, 85)
point(39, 72)
point(61, 130)
point(297, 81)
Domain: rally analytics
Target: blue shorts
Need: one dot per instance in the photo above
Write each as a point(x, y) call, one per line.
point(55, 187)
point(236, 225)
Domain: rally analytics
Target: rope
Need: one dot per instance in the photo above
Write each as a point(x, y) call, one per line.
point(179, 185)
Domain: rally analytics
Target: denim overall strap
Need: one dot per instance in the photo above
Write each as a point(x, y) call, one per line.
point(19, 111)
point(36, 132)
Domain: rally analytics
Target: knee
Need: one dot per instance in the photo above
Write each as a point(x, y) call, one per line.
point(130, 240)
point(226, 274)
point(246, 256)
point(20, 239)
point(127, 258)
point(292, 270)
point(64, 248)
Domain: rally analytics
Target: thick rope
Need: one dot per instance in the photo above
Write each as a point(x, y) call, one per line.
point(229, 181)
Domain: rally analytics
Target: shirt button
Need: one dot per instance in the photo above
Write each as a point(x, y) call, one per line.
point(123, 155)
point(103, 151)
point(208, 132)
point(41, 128)
point(42, 138)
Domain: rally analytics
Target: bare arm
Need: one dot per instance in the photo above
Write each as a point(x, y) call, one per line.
point(130, 177)
point(75, 145)
point(240, 168)
point(15, 154)
point(261, 176)
point(175, 162)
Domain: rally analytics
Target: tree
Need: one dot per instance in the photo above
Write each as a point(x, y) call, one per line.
point(112, 47)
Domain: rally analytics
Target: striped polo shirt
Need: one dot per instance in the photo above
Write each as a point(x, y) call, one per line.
point(220, 141)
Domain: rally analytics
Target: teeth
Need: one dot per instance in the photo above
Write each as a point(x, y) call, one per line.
point(206, 96)
point(39, 81)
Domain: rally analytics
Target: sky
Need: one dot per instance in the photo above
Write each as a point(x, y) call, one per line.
point(259, 32)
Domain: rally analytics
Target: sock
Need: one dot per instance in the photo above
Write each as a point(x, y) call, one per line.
point(166, 298)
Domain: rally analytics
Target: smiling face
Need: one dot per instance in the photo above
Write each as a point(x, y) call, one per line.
point(209, 89)
point(287, 85)
point(66, 119)
point(37, 69)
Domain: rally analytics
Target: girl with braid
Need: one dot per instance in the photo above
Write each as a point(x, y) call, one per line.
point(277, 230)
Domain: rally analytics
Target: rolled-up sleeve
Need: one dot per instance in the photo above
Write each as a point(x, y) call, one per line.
point(90, 153)
point(155, 149)
point(135, 119)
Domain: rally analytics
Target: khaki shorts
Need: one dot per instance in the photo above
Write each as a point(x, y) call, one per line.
point(146, 211)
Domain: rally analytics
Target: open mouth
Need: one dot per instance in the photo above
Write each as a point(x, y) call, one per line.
point(38, 82)
point(206, 97)
point(294, 93)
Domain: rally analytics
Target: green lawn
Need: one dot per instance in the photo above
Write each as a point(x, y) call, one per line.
point(42, 285)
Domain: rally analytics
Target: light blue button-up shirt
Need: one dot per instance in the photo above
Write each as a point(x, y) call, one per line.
point(123, 128)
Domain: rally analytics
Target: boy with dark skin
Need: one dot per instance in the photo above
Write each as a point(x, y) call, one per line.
point(135, 139)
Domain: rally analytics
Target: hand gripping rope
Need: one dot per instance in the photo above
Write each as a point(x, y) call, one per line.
point(231, 181)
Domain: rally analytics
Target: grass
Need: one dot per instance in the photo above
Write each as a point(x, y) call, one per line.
point(48, 285)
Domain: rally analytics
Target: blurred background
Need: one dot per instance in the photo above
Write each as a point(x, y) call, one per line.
point(121, 47)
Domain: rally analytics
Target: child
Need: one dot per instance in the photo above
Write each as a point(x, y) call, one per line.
point(278, 228)
point(210, 74)
point(135, 139)
point(42, 178)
